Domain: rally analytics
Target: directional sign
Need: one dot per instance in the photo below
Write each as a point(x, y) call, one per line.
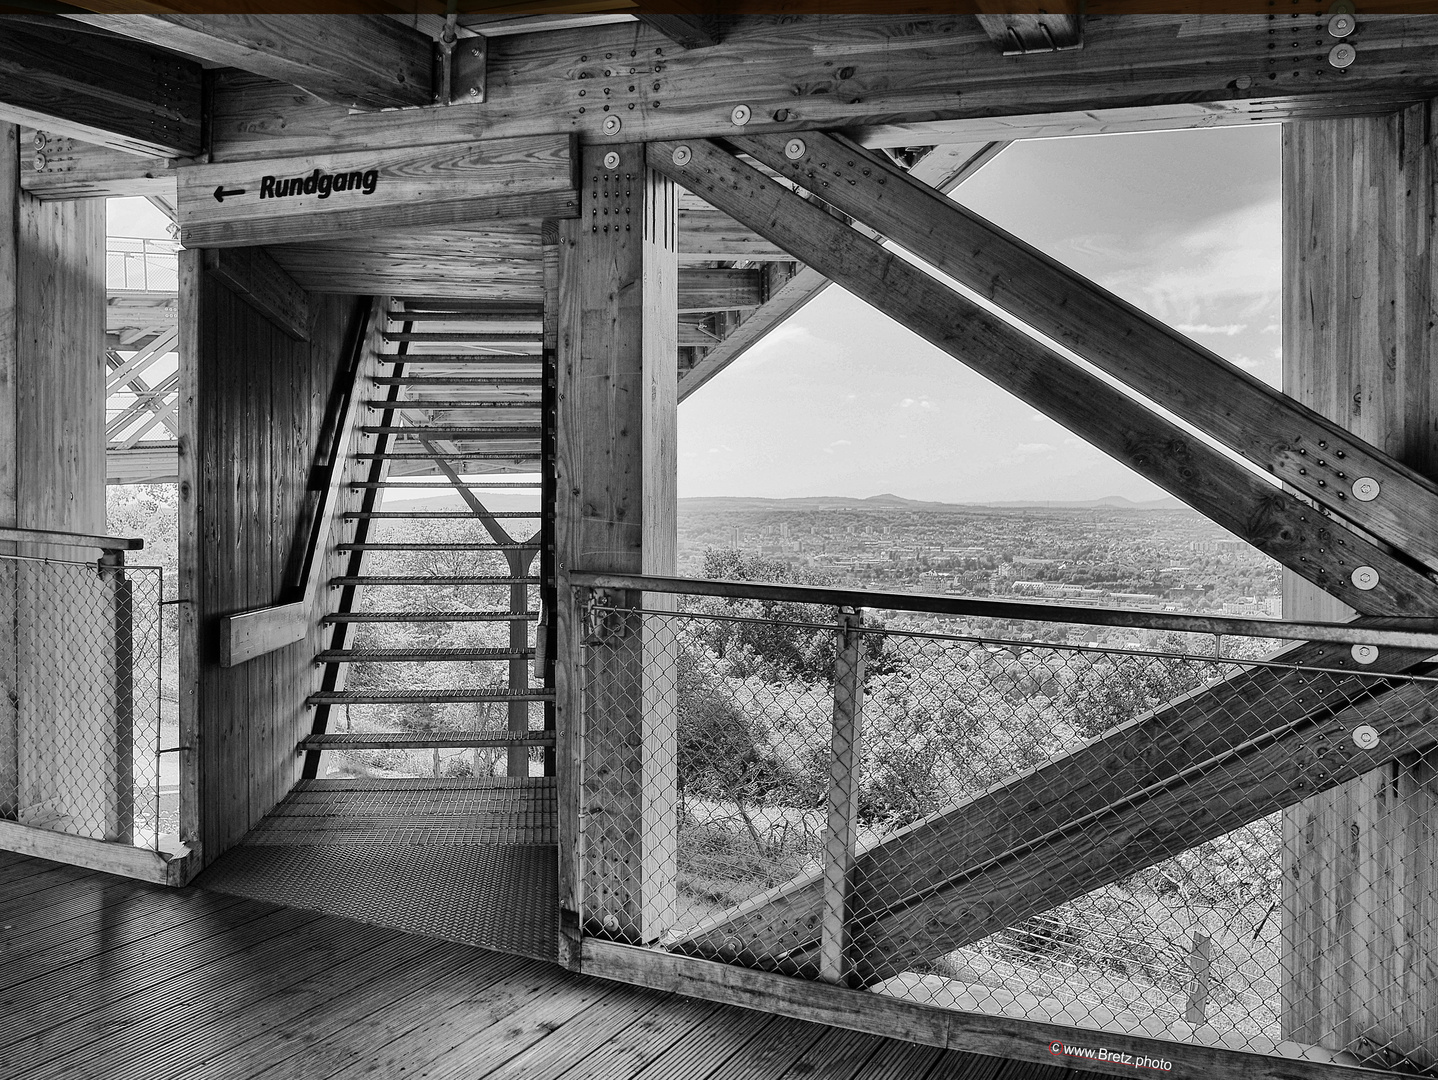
point(283, 200)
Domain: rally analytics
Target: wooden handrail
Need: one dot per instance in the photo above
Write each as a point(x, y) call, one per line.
point(246, 635)
point(1395, 633)
point(69, 539)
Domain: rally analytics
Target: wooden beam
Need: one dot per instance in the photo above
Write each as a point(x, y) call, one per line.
point(795, 287)
point(251, 274)
point(501, 261)
point(250, 634)
point(928, 1025)
point(839, 71)
point(369, 61)
point(1021, 34)
point(54, 166)
point(332, 195)
point(789, 286)
point(686, 31)
point(123, 860)
point(1244, 503)
point(112, 92)
point(708, 235)
point(616, 462)
point(710, 289)
point(1312, 454)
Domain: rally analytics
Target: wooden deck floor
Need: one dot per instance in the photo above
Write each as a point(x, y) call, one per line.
point(110, 979)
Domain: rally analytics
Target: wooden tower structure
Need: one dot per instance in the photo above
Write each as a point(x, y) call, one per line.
point(493, 250)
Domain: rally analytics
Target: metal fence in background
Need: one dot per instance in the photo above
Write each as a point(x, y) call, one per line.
point(1153, 840)
point(80, 650)
point(142, 263)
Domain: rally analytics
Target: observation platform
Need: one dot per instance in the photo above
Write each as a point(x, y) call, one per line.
point(107, 977)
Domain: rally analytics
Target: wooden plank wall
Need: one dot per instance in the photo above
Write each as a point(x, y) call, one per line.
point(52, 476)
point(259, 400)
point(1360, 914)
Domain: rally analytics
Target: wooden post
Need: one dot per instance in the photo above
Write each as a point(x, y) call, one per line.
point(112, 568)
point(615, 510)
point(1360, 919)
point(52, 476)
point(1199, 966)
point(843, 804)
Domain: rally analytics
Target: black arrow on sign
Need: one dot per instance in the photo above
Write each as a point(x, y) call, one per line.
point(221, 192)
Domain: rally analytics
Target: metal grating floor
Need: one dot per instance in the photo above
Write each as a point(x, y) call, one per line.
point(471, 861)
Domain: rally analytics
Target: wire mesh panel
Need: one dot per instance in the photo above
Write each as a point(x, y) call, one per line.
point(1154, 840)
point(80, 648)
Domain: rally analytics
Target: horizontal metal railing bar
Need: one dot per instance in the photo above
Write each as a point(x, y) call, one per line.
point(415, 579)
point(429, 696)
point(450, 404)
point(69, 539)
point(427, 515)
point(1405, 633)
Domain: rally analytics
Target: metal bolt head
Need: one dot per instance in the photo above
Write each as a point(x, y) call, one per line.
point(740, 115)
point(612, 124)
point(1342, 55)
point(682, 155)
point(1364, 577)
point(1341, 25)
point(41, 140)
point(1365, 488)
point(611, 160)
point(40, 162)
point(1366, 737)
point(1243, 82)
point(474, 91)
point(794, 149)
point(1364, 654)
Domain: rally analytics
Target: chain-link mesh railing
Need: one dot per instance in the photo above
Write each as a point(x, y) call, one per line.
point(143, 263)
point(80, 654)
point(1143, 837)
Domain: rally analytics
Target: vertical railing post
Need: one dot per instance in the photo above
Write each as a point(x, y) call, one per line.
point(122, 813)
point(843, 803)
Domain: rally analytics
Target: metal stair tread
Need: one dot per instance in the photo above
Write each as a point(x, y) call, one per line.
point(420, 741)
point(429, 616)
point(431, 695)
point(413, 656)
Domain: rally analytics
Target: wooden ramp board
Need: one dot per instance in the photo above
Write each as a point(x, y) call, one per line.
point(252, 990)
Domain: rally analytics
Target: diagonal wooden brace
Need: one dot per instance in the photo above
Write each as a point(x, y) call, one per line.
point(1312, 454)
point(1337, 560)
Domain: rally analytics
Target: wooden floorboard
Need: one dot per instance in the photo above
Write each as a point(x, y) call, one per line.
point(107, 979)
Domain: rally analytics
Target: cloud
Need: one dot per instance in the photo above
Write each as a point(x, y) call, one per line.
point(1204, 328)
point(1027, 450)
point(922, 403)
point(837, 442)
point(783, 341)
point(1245, 362)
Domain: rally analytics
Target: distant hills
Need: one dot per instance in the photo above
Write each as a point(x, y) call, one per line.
point(875, 502)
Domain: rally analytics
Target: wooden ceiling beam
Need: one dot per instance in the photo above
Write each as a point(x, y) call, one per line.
point(1310, 453)
point(56, 166)
point(369, 61)
point(686, 30)
point(876, 72)
point(73, 83)
point(1021, 34)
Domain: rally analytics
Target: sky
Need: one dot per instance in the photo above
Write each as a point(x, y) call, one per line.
point(840, 400)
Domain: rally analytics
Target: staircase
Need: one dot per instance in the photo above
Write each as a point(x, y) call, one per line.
point(437, 612)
